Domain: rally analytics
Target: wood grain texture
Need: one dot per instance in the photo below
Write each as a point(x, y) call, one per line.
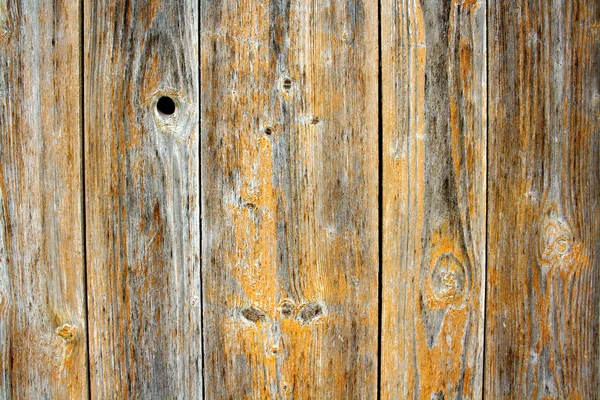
point(544, 200)
point(289, 198)
point(434, 198)
point(142, 199)
point(42, 287)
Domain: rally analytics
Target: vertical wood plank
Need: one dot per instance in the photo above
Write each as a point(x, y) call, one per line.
point(434, 198)
point(544, 223)
point(42, 287)
point(289, 198)
point(142, 198)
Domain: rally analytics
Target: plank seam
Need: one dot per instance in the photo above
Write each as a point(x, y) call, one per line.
point(83, 192)
point(200, 230)
point(379, 200)
point(487, 147)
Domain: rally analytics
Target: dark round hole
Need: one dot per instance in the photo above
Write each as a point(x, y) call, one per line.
point(287, 83)
point(268, 131)
point(165, 105)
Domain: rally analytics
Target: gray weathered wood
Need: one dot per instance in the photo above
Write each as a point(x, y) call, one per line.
point(434, 198)
point(542, 336)
point(289, 198)
point(142, 199)
point(42, 288)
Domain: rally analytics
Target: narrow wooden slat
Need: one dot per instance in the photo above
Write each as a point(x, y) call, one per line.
point(142, 199)
point(434, 198)
point(42, 287)
point(289, 198)
point(544, 200)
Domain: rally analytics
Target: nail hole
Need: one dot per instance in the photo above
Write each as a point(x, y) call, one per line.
point(287, 83)
point(268, 131)
point(253, 314)
point(165, 106)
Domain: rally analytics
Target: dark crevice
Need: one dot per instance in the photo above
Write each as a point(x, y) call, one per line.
point(83, 193)
point(202, 351)
point(487, 189)
point(379, 199)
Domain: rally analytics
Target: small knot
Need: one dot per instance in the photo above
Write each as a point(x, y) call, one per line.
point(66, 332)
point(253, 314)
point(448, 279)
point(310, 312)
point(287, 308)
point(555, 240)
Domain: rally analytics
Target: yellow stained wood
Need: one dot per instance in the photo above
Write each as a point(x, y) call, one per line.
point(42, 288)
point(434, 198)
point(289, 196)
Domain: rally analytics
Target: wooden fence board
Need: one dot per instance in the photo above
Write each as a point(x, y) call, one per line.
point(42, 286)
point(289, 149)
point(142, 198)
point(434, 198)
point(544, 200)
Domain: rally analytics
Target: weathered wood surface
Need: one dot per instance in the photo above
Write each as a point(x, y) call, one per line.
point(289, 198)
point(42, 287)
point(434, 198)
point(542, 336)
point(323, 131)
point(142, 199)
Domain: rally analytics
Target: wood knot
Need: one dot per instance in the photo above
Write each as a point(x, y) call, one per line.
point(449, 280)
point(310, 312)
point(66, 332)
point(557, 246)
point(253, 314)
point(287, 308)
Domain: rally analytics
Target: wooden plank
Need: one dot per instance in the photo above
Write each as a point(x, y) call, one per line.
point(43, 350)
point(289, 155)
point(434, 198)
point(544, 200)
point(142, 198)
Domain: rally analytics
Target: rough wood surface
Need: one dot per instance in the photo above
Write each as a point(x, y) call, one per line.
point(142, 199)
point(434, 198)
point(289, 198)
point(542, 336)
point(42, 288)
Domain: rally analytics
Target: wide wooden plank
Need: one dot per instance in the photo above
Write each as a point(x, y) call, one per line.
point(42, 287)
point(142, 198)
point(434, 198)
point(544, 200)
point(289, 155)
